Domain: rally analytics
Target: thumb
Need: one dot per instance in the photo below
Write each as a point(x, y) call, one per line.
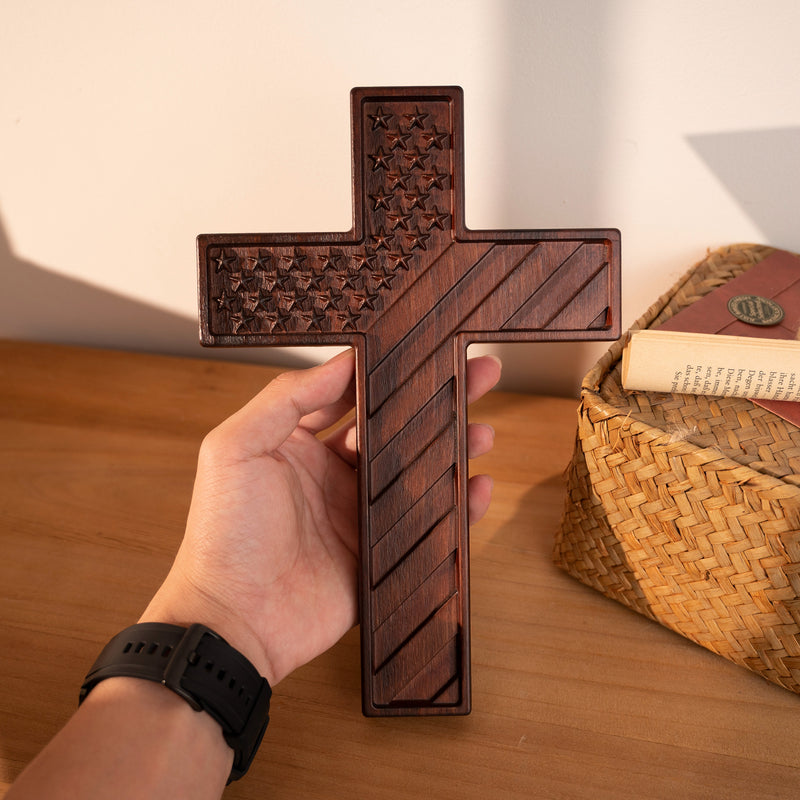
point(272, 415)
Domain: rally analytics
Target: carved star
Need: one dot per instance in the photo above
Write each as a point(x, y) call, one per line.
point(399, 220)
point(365, 260)
point(283, 281)
point(226, 263)
point(415, 159)
point(435, 178)
point(350, 280)
point(435, 219)
point(381, 199)
point(382, 280)
point(382, 239)
point(261, 262)
point(248, 281)
point(397, 139)
point(310, 281)
point(435, 139)
point(314, 319)
point(398, 179)
point(330, 261)
point(225, 301)
point(348, 319)
point(417, 119)
point(294, 261)
point(401, 260)
point(365, 300)
point(250, 301)
point(416, 199)
point(417, 239)
point(380, 159)
point(241, 320)
point(380, 119)
point(287, 300)
point(277, 320)
point(265, 303)
point(324, 298)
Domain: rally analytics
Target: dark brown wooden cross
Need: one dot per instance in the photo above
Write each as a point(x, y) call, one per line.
point(409, 287)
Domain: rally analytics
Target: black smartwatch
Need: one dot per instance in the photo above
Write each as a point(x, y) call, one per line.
point(203, 669)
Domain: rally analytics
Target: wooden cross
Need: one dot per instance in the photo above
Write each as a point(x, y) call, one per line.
point(409, 287)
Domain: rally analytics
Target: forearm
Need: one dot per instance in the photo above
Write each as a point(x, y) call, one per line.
point(130, 739)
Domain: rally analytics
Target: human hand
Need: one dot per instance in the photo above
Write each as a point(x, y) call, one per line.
point(270, 554)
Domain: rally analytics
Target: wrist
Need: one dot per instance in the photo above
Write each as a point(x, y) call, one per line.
point(183, 608)
point(200, 667)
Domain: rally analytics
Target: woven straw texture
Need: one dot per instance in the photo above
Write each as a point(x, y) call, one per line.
point(687, 508)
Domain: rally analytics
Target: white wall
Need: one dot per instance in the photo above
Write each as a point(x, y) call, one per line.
point(127, 128)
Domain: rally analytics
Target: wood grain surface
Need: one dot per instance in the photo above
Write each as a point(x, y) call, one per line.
point(575, 696)
point(410, 287)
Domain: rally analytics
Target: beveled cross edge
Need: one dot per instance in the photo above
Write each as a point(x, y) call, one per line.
point(355, 237)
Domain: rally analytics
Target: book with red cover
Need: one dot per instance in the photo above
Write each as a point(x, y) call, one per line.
point(777, 277)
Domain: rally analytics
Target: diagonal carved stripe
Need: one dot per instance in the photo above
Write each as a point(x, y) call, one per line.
point(413, 482)
point(466, 292)
point(414, 568)
point(387, 551)
point(438, 681)
point(412, 439)
point(405, 403)
point(411, 614)
point(435, 281)
point(400, 670)
point(589, 303)
point(573, 275)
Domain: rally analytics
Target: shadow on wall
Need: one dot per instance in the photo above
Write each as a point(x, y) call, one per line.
point(554, 103)
point(39, 305)
point(761, 171)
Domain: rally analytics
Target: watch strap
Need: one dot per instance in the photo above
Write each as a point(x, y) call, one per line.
point(201, 667)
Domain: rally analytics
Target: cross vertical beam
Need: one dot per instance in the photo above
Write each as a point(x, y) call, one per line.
point(410, 287)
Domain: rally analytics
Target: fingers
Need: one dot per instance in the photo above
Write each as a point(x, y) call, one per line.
point(483, 373)
point(479, 495)
point(311, 396)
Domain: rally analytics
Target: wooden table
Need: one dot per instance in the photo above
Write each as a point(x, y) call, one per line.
point(574, 696)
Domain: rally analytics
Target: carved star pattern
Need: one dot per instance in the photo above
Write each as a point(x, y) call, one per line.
point(380, 119)
point(381, 199)
point(401, 260)
point(417, 239)
point(397, 139)
point(399, 220)
point(261, 262)
point(226, 263)
point(417, 119)
point(225, 301)
point(416, 159)
point(329, 262)
point(382, 240)
point(435, 139)
point(381, 159)
point(398, 180)
point(417, 199)
point(322, 288)
point(435, 179)
point(435, 219)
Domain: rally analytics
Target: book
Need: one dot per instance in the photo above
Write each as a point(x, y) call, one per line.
point(740, 310)
point(712, 364)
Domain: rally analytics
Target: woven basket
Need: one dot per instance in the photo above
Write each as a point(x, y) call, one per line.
point(687, 508)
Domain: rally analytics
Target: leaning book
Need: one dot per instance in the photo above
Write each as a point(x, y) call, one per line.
point(710, 364)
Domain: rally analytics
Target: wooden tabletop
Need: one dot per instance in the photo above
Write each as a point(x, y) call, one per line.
point(574, 696)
